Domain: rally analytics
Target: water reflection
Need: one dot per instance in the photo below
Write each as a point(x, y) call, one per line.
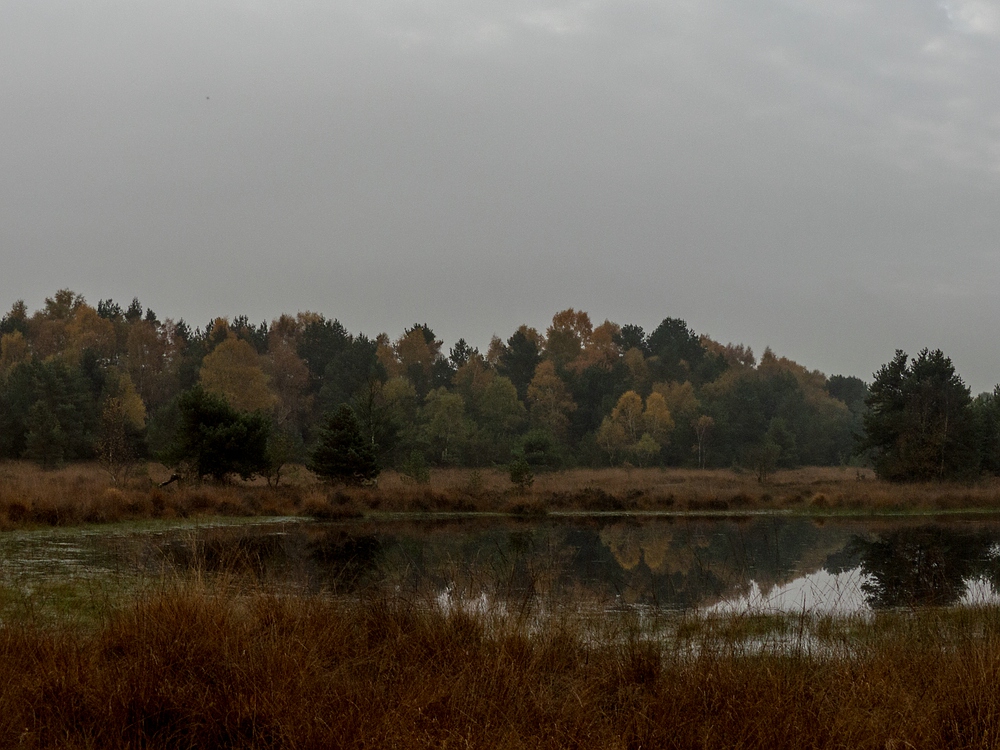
point(776, 563)
point(929, 565)
point(313, 557)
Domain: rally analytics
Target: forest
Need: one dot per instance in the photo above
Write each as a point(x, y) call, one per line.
point(77, 379)
point(79, 382)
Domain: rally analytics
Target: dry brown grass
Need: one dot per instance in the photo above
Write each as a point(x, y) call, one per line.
point(811, 490)
point(82, 493)
point(199, 666)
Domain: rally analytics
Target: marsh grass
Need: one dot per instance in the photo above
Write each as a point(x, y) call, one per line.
point(82, 493)
point(219, 657)
point(209, 662)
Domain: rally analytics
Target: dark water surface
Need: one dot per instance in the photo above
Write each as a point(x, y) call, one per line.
point(766, 563)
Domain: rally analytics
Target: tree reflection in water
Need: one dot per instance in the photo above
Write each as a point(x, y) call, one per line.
point(924, 566)
point(672, 564)
point(346, 561)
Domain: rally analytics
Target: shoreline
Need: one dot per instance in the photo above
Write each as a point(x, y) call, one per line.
point(81, 494)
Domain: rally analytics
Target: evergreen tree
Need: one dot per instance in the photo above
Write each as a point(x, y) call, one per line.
point(519, 359)
point(632, 337)
point(342, 453)
point(349, 373)
point(68, 398)
point(920, 424)
point(986, 407)
point(45, 439)
point(216, 440)
point(459, 354)
point(321, 342)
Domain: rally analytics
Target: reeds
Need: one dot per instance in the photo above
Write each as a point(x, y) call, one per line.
point(82, 493)
point(208, 665)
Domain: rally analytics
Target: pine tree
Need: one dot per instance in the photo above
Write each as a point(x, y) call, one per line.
point(216, 440)
point(45, 438)
point(920, 424)
point(342, 454)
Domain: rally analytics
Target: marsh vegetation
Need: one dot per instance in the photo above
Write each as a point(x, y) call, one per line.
point(179, 627)
point(81, 493)
point(220, 662)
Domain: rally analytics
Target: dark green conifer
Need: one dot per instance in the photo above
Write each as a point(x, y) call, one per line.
point(45, 438)
point(342, 454)
point(920, 424)
point(216, 440)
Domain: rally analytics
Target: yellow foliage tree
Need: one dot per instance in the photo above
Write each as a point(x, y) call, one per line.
point(494, 352)
point(386, 355)
point(13, 350)
point(620, 429)
point(119, 386)
point(123, 414)
point(216, 332)
point(47, 327)
point(565, 339)
point(573, 342)
point(679, 397)
point(472, 380)
point(638, 369)
point(628, 413)
point(288, 378)
point(146, 356)
point(286, 330)
point(414, 351)
point(551, 403)
point(233, 370)
point(633, 430)
point(88, 330)
point(601, 350)
point(737, 356)
point(656, 419)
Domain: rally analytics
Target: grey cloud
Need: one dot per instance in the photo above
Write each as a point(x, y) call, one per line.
point(818, 176)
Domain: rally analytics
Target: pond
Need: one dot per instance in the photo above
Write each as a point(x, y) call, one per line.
point(774, 563)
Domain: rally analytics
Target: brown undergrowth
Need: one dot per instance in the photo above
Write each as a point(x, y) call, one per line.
point(197, 665)
point(82, 493)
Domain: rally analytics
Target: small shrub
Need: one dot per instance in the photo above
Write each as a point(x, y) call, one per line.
point(415, 469)
point(742, 500)
point(527, 509)
point(333, 508)
point(520, 474)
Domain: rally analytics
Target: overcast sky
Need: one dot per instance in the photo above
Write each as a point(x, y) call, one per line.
point(819, 176)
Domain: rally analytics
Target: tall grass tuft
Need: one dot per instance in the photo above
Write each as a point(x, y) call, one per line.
point(201, 664)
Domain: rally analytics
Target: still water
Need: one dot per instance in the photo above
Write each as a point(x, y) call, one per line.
point(673, 564)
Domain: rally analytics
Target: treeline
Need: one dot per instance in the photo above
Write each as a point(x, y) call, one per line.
point(78, 382)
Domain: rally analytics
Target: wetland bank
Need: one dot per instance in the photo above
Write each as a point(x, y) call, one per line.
point(82, 494)
point(394, 625)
